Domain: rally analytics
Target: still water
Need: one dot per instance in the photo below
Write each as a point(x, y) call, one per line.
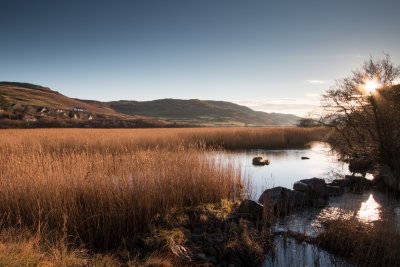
point(286, 167)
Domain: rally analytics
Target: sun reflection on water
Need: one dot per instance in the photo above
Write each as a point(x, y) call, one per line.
point(370, 210)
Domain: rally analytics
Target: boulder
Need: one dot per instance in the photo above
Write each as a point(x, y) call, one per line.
point(318, 202)
point(358, 183)
point(260, 161)
point(300, 186)
point(352, 183)
point(317, 188)
point(303, 158)
point(334, 190)
point(297, 199)
point(340, 183)
point(276, 200)
point(250, 209)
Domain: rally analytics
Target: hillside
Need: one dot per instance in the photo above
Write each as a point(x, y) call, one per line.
point(38, 96)
point(30, 105)
point(202, 112)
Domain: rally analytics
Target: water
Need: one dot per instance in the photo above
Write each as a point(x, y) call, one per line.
point(285, 169)
point(286, 166)
point(289, 252)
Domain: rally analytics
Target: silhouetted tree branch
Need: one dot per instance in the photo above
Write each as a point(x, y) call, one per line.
point(366, 121)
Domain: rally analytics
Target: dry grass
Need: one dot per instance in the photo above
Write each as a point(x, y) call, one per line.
point(362, 244)
point(58, 140)
point(98, 189)
point(20, 247)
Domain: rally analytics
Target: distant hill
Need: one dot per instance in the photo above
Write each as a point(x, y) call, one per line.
point(202, 112)
point(39, 96)
point(30, 105)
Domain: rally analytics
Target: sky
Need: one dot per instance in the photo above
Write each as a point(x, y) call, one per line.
point(273, 56)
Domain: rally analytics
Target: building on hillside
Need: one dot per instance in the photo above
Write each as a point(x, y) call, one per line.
point(78, 109)
point(41, 110)
point(90, 117)
point(29, 118)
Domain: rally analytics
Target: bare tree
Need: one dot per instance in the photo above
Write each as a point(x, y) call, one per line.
point(364, 110)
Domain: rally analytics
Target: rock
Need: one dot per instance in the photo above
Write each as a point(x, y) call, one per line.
point(317, 188)
point(276, 200)
point(250, 209)
point(358, 183)
point(334, 190)
point(340, 183)
point(319, 202)
point(260, 161)
point(352, 183)
point(303, 158)
point(300, 186)
point(297, 199)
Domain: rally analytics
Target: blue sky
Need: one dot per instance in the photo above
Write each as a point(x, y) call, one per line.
point(275, 56)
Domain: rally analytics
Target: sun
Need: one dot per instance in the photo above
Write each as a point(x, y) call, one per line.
point(371, 85)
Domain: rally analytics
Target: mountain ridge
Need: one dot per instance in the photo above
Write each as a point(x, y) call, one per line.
point(202, 112)
point(20, 101)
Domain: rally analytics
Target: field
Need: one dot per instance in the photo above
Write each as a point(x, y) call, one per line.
point(67, 194)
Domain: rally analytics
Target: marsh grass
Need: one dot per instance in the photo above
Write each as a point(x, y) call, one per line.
point(362, 244)
point(97, 189)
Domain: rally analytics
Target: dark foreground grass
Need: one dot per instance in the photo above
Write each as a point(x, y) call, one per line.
point(362, 244)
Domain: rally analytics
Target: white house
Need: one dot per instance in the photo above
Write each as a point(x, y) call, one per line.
point(78, 109)
point(30, 119)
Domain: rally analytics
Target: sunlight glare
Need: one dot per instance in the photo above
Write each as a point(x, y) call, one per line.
point(369, 211)
point(371, 85)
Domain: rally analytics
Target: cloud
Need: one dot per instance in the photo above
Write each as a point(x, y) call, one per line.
point(316, 82)
point(296, 106)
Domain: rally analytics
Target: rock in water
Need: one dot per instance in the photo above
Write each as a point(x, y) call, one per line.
point(276, 200)
point(260, 161)
point(318, 188)
point(334, 190)
point(300, 186)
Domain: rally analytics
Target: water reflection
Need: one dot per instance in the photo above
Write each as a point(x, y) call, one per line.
point(288, 252)
point(370, 210)
point(286, 166)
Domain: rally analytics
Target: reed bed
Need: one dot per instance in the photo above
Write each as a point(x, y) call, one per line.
point(101, 188)
point(363, 244)
point(105, 140)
